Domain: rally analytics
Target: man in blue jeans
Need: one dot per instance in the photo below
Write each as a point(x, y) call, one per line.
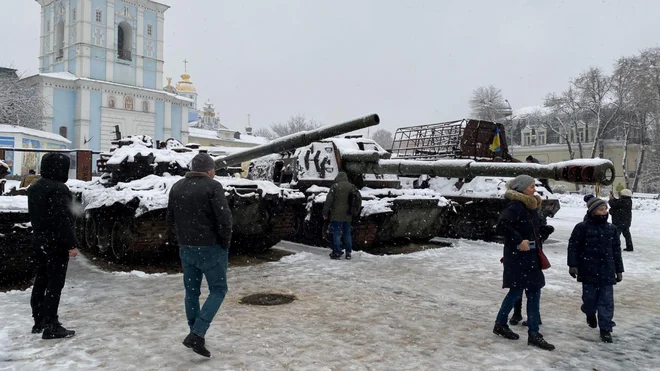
point(337, 209)
point(199, 214)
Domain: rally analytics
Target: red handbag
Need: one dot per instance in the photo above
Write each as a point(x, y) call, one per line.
point(543, 260)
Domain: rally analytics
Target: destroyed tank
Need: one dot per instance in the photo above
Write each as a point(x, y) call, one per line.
point(123, 214)
point(460, 160)
point(17, 262)
point(392, 212)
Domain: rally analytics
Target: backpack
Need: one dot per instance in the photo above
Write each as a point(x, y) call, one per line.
point(355, 203)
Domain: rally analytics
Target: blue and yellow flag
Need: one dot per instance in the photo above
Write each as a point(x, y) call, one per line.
point(495, 146)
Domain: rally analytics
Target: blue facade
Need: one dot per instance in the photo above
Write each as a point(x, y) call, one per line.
point(64, 111)
point(149, 78)
point(74, 5)
point(58, 67)
point(159, 128)
point(97, 65)
point(176, 121)
point(192, 115)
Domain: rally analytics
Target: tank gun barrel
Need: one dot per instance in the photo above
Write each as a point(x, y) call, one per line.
point(583, 171)
point(296, 140)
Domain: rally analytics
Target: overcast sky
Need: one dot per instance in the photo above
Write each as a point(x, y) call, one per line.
point(412, 62)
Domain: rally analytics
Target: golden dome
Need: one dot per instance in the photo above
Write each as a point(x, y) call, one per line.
point(185, 85)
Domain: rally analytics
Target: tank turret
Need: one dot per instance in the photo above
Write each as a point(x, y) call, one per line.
point(123, 213)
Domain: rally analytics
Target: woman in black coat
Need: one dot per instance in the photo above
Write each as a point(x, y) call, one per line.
point(519, 223)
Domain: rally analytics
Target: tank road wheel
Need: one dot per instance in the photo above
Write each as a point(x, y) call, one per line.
point(90, 232)
point(120, 240)
point(103, 231)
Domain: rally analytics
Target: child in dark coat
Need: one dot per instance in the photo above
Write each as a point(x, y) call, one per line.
point(594, 258)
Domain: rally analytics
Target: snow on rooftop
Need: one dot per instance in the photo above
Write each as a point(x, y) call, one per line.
point(33, 132)
point(531, 110)
point(71, 77)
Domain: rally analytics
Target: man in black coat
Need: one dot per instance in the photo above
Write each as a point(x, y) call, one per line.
point(49, 205)
point(199, 214)
point(546, 184)
point(594, 258)
point(621, 210)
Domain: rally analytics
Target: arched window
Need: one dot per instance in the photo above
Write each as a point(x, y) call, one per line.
point(63, 131)
point(59, 40)
point(111, 102)
point(145, 106)
point(124, 41)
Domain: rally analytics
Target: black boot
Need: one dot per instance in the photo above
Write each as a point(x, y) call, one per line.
point(537, 340)
point(606, 336)
point(592, 321)
point(505, 331)
point(56, 331)
point(196, 342)
point(348, 255)
point(628, 249)
point(515, 319)
point(37, 328)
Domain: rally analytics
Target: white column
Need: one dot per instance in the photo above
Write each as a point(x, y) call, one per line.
point(160, 52)
point(81, 126)
point(110, 42)
point(139, 48)
point(167, 132)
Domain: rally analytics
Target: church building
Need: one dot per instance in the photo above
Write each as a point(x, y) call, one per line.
point(101, 67)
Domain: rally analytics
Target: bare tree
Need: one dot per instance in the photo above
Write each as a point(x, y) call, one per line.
point(566, 115)
point(596, 95)
point(21, 104)
point(384, 138)
point(295, 124)
point(487, 103)
point(263, 132)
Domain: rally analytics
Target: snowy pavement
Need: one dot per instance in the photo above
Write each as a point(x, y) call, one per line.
point(429, 310)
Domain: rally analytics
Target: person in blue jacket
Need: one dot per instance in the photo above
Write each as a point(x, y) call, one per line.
point(594, 258)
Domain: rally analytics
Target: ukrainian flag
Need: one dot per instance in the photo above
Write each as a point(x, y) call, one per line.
point(495, 146)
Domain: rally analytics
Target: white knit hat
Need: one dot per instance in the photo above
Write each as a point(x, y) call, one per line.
point(626, 192)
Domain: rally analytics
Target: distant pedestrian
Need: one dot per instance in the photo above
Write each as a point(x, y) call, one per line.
point(199, 214)
point(544, 182)
point(519, 224)
point(29, 179)
point(54, 241)
point(337, 209)
point(594, 258)
point(621, 210)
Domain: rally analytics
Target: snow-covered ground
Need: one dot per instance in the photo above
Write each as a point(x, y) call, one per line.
point(429, 310)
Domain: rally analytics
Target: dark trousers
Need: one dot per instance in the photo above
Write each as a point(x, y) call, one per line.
point(48, 285)
point(341, 231)
point(599, 299)
point(517, 310)
point(533, 308)
point(197, 262)
point(626, 234)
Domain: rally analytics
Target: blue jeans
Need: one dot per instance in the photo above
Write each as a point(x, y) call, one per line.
point(533, 308)
point(599, 299)
point(340, 229)
point(211, 262)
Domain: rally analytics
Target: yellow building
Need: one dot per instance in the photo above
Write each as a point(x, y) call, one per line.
point(548, 147)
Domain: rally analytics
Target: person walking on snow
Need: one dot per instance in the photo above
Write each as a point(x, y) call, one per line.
point(594, 258)
point(337, 209)
point(199, 215)
point(519, 224)
point(54, 241)
point(621, 210)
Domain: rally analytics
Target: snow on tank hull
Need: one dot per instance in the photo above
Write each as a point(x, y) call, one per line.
point(389, 214)
point(128, 222)
point(478, 204)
